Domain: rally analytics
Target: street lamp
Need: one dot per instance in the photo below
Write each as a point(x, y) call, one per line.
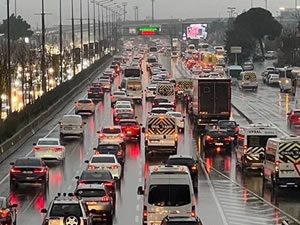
point(60, 43)
point(230, 11)
point(73, 37)
point(8, 62)
point(124, 6)
point(152, 11)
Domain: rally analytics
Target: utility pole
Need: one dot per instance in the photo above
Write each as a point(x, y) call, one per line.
point(230, 11)
point(43, 49)
point(152, 11)
point(8, 62)
point(60, 43)
point(99, 30)
point(102, 14)
point(16, 8)
point(73, 37)
point(89, 32)
point(81, 35)
point(251, 1)
point(266, 4)
point(94, 11)
point(124, 8)
point(137, 13)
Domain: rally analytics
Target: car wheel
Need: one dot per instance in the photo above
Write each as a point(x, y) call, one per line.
point(110, 220)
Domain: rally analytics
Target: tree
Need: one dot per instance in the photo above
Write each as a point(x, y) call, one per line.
point(18, 28)
point(258, 23)
point(3, 70)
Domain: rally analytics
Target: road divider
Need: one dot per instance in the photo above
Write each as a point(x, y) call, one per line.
point(12, 144)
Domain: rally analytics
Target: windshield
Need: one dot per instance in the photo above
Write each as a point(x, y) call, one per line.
point(96, 175)
point(120, 93)
point(235, 73)
point(111, 130)
point(227, 124)
point(48, 142)
point(132, 73)
point(159, 111)
point(217, 133)
point(90, 193)
point(186, 162)
point(129, 123)
point(95, 89)
point(121, 106)
point(151, 60)
point(103, 160)
point(125, 116)
point(257, 140)
point(62, 210)
point(71, 119)
point(169, 195)
point(108, 148)
point(85, 101)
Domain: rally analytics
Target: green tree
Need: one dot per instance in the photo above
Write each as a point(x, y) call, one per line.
point(18, 27)
point(258, 23)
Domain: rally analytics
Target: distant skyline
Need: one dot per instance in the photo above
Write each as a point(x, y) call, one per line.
point(163, 9)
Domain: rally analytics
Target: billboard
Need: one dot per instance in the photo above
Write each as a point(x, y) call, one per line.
point(196, 31)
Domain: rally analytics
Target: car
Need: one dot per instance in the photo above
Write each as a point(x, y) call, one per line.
point(116, 95)
point(158, 100)
point(95, 93)
point(28, 170)
point(71, 125)
point(219, 69)
point(8, 212)
point(131, 128)
point(84, 106)
point(216, 141)
point(105, 84)
point(293, 118)
point(106, 77)
point(273, 79)
point(155, 71)
point(181, 220)
point(111, 148)
point(150, 92)
point(125, 99)
point(231, 126)
point(67, 209)
point(123, 108)
point(159, 110)
point(99, 203)
point(189, 162)
point(248, 66)
point(98, 177)
point(121, 116)
point(107, 162)
point(49, 149)
point(179, 119)
point(167, 105)
point(113, 134)
point(270, 55)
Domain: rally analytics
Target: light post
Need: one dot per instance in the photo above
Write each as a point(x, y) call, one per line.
point(73, 37)
point(101, 3)
point(43, 48)
point(124, 8)
point(107, 19)
point(230, 11)
point(8, 62)
point(89, 32)
point(60, 43)
point(81, 35)
point(152, 11)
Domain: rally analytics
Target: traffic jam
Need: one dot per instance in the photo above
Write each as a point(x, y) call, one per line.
point(146, 141)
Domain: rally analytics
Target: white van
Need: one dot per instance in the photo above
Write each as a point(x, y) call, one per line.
point(134, 89)
point(282, 162)
point(71, 125)
point(251, 143)
point(248, 80)
point(168, 192)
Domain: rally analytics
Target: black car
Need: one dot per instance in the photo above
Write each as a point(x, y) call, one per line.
point(231, 126)
point(95, 93)
point(217, 140)
point(98, 177)
point(8, 214)
point(188, 161)
point(158, 100)
point(181, 220)
point(28, 170)
point(112, 148)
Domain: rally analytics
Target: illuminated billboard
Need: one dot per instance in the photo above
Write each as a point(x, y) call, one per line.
point(196, 31)
point(148, 30)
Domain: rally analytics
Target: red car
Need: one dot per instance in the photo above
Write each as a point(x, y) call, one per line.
point(131, 128)
point(293, 117)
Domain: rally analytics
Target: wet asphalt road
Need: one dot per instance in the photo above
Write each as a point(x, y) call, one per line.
point(220, 200)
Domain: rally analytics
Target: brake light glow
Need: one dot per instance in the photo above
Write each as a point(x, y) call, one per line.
point(176, 136)
point(91, 104)
point(36, 149)
point(194, 167)
point(227, 139)
point(4, 214)
point(120, 153)
point(58, 149)
point(81, 182)
point(78, 104)
point(277, 164)
point(91, 167)
point(13, 170)
point(145, 214)
point(209, 138)
point(122, 135)
point(245, 147)
point(42, 170)
point(147, 136)
point(108, 184)
point(105, 199)
point(101, 135)
point(114, 167)
point(193, 211)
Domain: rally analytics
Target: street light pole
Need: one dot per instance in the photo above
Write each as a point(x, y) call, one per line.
point(43, 49)
point(99, 30)
point(60, 43)
point(124, 8)
point(73, 37)
point(81, 35)
point(94, 11)
point(8, 63)
point(89, 32)
point(152, 11)
point(266, 4)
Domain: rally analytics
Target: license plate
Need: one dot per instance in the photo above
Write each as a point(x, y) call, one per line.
point(219, 144)
point(54, 222)
point(27, 172)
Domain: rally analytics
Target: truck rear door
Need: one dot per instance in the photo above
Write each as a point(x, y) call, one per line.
point(207, 91)
point(222, 97)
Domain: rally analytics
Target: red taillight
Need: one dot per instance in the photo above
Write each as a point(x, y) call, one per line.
point(114, 167)
point(194, 167)
point(120, 153)
point(277, 164)
point(227, 139)
point(4, 214)
point(147, 136)
point(145, 214)
point(209, 138)
point(89, 92)
point(237, 129)
point(36, 149)
point(78, 104)
point(81, 182)
point(58, 149)
point(42, 170)
point(91, 104)
point(245, 147)
point(108, 184)
point(14, 170)
point(101, 135)
point(91, 167)
point(193, 211)
point(105, 199)
point(176, 136)
point(122, 135)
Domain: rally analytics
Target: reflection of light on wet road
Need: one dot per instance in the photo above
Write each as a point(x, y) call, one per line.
point(227, 164)
point(287, 103)
point(55, 177)
point(39, 202)
point(209, 165)
point(134, 151)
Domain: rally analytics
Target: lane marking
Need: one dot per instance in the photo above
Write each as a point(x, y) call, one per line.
point(137, 207)
point(136, 219)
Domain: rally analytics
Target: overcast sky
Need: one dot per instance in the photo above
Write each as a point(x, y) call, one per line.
point(163, 8)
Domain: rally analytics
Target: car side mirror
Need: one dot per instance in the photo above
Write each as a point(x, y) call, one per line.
point(84, 122)
point(98, 132)
point(288, 113)
point(86, 161)
point(44, 211)
point(140, 190)
point(116, 178)
point(34, 144)
point(77, 177)
point(11, 163)
point(95, 149)
point(143, 129)
point(59, 122)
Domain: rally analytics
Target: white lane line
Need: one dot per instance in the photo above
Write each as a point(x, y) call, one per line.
point(4, 178)
point(140, 180)
point(138, 197)
point(30, 203)
point(137, 219)
point(137, 207)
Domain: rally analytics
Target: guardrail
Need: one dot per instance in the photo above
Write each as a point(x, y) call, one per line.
point(13, 144)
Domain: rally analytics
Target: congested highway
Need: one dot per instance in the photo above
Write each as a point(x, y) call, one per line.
point(226, 195)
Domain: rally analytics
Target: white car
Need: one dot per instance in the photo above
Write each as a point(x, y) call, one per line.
point(106, 162)
point(123, 108)
point(273, 79)
point(150, 92)
point(49, 149)
point(112, 134)
point(116, 95)
point(71, 125)
point(84, 106)
point(179, 119)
